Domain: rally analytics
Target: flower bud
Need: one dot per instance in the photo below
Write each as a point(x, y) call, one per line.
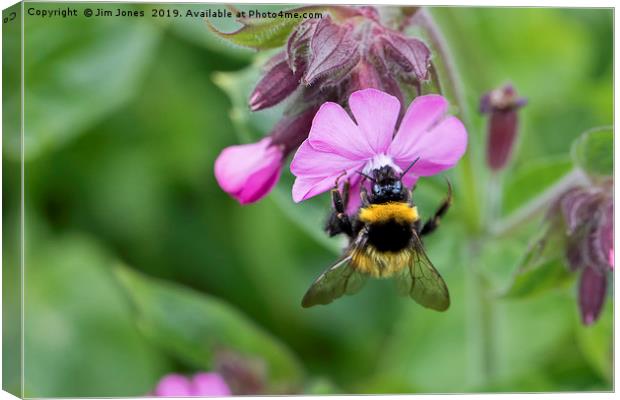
point(292, 130)
point(592, 289)
point(586, 213)
point(248, 172)
point(333, 48)
point(502, 105)
point(245, 376)
point(336, 55)
point(277, 84)
point(411, 54)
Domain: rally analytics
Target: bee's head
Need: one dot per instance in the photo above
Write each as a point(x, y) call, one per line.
point(387, 186)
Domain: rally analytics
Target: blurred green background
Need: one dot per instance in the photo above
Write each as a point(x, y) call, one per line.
point(137, 264)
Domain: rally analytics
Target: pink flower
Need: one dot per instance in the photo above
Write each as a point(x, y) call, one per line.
point(201, 384)
point(337, 145)
point(248, 172)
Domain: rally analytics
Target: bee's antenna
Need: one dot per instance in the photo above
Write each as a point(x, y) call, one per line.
point(366, 176)
point(409, 167)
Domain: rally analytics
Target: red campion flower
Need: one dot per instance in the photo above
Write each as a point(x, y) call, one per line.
point(325, 59)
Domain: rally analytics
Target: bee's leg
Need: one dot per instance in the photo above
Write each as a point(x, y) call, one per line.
point(345, 194)
point(338, 221)
point(417, 225)
point(433, 223)
point(364, 196)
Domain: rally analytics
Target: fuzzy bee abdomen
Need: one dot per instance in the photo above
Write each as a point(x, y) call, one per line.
point(379, 264)
point(389, 236)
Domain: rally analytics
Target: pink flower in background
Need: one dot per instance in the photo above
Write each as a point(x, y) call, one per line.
point(249, 171)
point(339, 145)
point(201, 384)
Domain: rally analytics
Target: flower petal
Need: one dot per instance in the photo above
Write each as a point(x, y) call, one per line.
point(304, 188)
point(316, 171)
point(210, 384)
point(311, 163)
point(439, 148)
point(173, 385)
point(248, 172)
point(410, 179)
point(259, 184)
point(333, 131)
point(422, 114)
point(355, 199)
point(376, 113)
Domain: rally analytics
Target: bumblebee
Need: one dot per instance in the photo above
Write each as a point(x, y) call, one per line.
point(384, 241)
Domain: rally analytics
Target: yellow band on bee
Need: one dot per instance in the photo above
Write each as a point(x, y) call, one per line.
point(377, 213)
point(379, 264)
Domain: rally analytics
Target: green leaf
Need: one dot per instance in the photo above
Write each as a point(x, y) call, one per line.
point(536, 280)
point(534, 179)
point(265, 33)
point(76, 80)
point(80, 337)
point(193, 327)
point(593, 151)
point(543, 267)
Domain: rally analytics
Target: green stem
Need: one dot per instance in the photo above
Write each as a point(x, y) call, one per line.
point(488, 331)
point(481, 330)
point(494, 199)
point(539, 204)
point(438, 42)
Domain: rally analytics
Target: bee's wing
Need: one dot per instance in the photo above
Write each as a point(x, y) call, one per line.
point(337, 280)
point(422, 281)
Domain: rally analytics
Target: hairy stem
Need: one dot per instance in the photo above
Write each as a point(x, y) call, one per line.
point(481, 325)
point(438, 42)
point(536, 206)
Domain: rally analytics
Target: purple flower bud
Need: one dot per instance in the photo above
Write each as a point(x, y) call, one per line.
point(587, 215)
point(577, 205)
point(601, 240)
point(332, 49)
point(502, 105)
point(277, 84)
point(365, 76)
point(298, 45)
point(245, 376)
point(370, 12)
point(291, 131)
point(592, 288)
point(332, 58)
point(411, 54)
point(368, 76)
